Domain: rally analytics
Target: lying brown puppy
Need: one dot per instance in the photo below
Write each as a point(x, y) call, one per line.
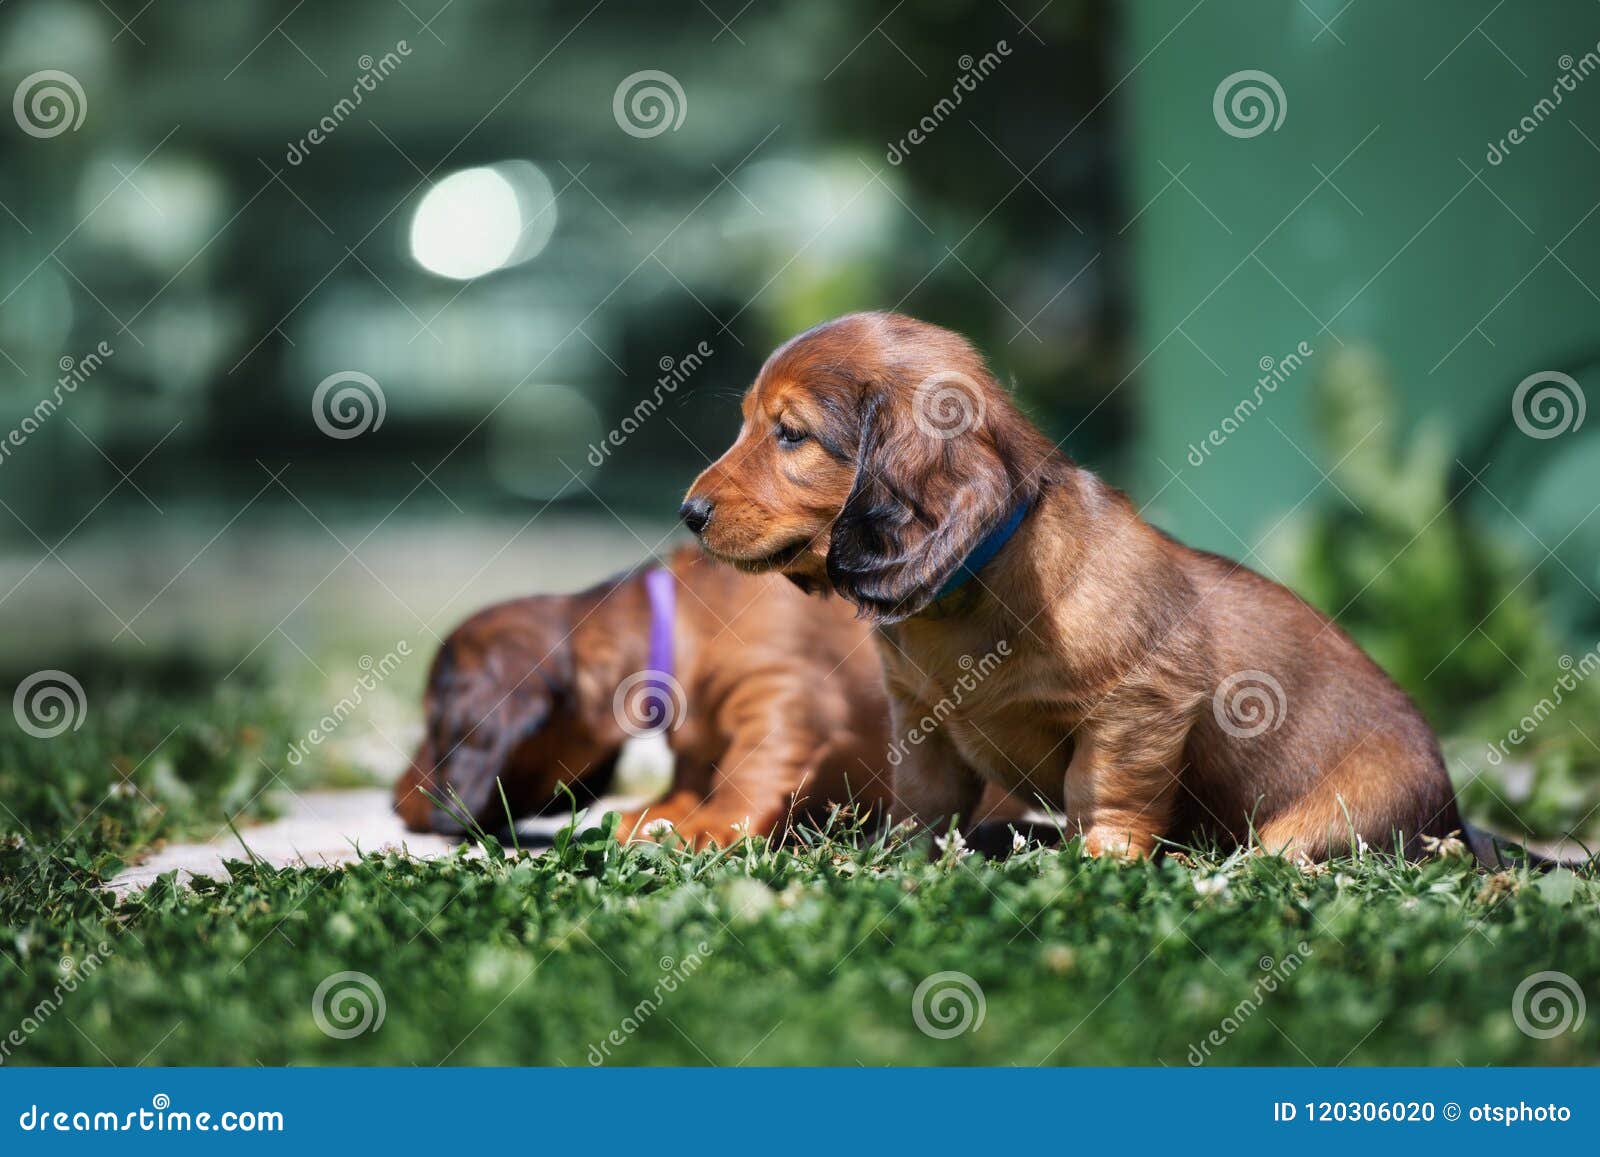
point(1159, 691)
point(775, 705)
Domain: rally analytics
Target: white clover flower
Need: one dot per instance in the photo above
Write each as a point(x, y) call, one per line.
point(1216, 885)
point(657, 827)
point(1019, 842)
point(954, 844)
point(1310, 867)
point(1442, 847)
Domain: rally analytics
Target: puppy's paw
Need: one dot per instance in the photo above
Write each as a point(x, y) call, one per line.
point(1118, 840)
point(698, 830)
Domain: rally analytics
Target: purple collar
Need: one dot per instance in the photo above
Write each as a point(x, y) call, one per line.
point(662, 589)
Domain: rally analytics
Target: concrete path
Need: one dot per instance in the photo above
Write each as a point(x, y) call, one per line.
point(327, 827)
point(318, 827)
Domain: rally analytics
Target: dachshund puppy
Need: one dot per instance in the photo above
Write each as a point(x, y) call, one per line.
point(1157, 692)
point(775, 706)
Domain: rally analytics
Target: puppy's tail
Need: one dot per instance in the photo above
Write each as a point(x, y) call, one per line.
point(1497, 853)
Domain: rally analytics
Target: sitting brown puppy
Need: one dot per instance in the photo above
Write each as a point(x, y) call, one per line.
point(1160, 691)
point(772, 706)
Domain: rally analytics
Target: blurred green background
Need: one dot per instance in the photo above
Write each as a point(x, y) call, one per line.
point(457, 207)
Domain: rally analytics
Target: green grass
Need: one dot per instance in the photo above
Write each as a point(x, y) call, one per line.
point(811, 956)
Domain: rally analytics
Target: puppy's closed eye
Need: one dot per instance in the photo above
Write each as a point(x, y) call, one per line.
point(807, 584)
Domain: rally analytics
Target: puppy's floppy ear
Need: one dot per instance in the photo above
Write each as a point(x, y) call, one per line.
point(922, 499)
point(476, 721)
point(411, 790)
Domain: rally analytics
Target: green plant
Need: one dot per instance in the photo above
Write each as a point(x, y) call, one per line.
point(1447, 609)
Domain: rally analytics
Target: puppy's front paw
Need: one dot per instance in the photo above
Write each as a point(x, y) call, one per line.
point(698, 830)
point(1118, 840)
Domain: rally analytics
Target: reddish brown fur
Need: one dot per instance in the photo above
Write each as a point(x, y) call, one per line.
point(786, 709)
point(1120, 636)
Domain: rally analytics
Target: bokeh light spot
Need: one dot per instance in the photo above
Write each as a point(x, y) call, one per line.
point(467, 225)
point(480, 220)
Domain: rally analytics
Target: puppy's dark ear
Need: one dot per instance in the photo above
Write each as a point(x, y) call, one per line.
point(411, 790)
point(476, 722)
point(923, 498)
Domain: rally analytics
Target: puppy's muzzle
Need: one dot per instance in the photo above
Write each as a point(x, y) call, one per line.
point(696, 514)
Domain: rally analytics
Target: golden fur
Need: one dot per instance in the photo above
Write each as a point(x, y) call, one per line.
point(1152, 691)
point(786, 712)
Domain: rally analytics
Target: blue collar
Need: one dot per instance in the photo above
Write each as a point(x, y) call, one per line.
point(984, 552)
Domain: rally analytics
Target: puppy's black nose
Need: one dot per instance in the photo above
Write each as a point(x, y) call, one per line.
point(695, 513)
